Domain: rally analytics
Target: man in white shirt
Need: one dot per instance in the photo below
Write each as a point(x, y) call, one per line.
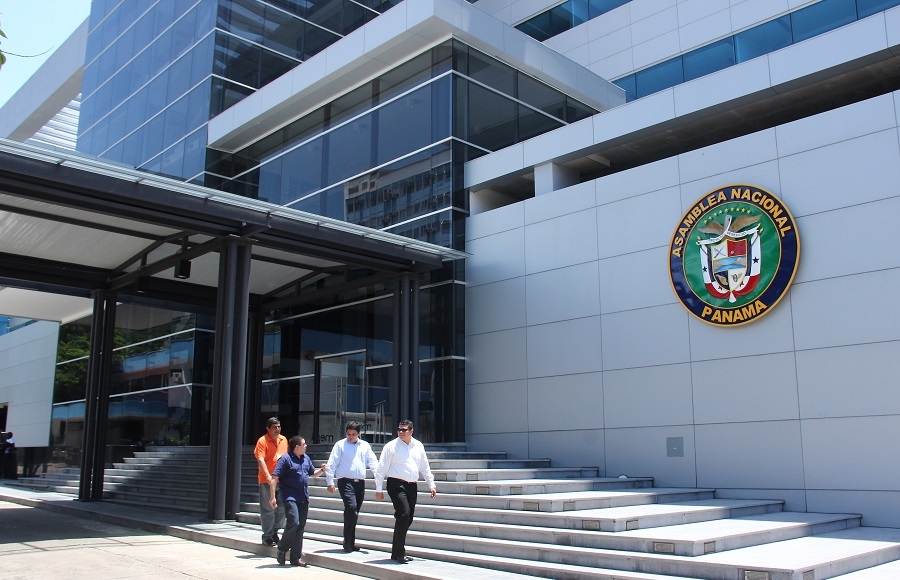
point(348, 462)
point(402, 460)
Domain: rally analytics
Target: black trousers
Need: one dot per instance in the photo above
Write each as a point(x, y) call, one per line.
point(353, 492)
point(403, 496)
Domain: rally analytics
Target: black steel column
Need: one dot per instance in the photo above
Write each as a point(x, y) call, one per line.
point(96, 407)
point(403, 370)
point(221, 390)
point(415, 388)
point(241, 297)
point(396, 359)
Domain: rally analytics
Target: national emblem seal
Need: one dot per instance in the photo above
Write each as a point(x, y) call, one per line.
point(734, 255)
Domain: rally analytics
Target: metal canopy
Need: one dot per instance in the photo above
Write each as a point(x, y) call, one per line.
point(71, 224)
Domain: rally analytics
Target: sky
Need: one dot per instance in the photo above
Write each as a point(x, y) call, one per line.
point(33, 27)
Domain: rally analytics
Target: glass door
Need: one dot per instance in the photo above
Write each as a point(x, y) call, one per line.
point(340, 394)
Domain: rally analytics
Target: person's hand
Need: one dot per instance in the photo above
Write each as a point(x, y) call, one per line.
point(272, 502)
point(379, 495)
point(324, 467)
point(331, 488)
point(433, 492)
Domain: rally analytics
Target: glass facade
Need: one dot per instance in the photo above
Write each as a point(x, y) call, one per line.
point(156, 71)
point(160, 383)
point(388, 154)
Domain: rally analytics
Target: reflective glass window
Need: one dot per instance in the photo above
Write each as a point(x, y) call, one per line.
point(539, 95)
point(658, 77)
point(492, 73)
point(533, 123)
point(272, 66)
point(173, 160)
point(763, 39)
point(237, 60)
point(869, 7)
point(349, 149)
point(598, 7)
point(821, 17)
point(244, 18)
point(708, 59)
point(492, 121)
point(404, 124)
point(317, 39)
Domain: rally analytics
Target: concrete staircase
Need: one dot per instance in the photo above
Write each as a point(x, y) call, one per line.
point(526, 517)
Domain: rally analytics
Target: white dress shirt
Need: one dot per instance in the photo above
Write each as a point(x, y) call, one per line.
point(350, 460)
point(403, 461)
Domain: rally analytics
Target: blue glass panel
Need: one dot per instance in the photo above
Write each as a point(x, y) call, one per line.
point(763, 39)
point(179, 74)
point(404, 125)
point(869, 7)
point(194, 153)
point(175, 123)
point(532, 123)
point(349, 149)
point(658, 77)
point(708, 59)
point(302, 172)
point(822, 17)
point(492, 121)
point(173, 161)
point(183, 33)
point(136, 111)
point(202, 59)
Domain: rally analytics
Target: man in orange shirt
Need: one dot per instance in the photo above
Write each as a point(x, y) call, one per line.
point(269, 448)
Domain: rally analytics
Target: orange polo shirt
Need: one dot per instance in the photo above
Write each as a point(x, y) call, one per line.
point(270, 451)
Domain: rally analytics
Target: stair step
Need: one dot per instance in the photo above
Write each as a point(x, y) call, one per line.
point(511, 474)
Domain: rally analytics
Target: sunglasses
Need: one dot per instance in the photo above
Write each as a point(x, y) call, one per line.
point(403, 430)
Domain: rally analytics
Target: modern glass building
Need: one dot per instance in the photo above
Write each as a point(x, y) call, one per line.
point(387, 153)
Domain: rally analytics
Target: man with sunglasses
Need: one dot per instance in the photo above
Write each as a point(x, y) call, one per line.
point(402, 461)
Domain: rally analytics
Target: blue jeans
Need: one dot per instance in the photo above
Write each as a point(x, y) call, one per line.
point(271, 520)
point(292, 538)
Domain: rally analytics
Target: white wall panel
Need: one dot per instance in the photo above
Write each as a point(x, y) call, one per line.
point(568, 347)
point(760, 455)
point(563, 294)
point(498, 220)
point(565, 402)
point(730, 390)
point(878, 508)
point(636, 280)
point(818, 180)
point(751, 12)
point(664, 392)
point(559, 242)
point(654, 176)
point(644, 453)
point(694, 32)
point(870, 116)
point(849, 381)
point(818, 323)
point(645, 337)
point(638, 223)
point(865, 448)
point(738, 153)
point(502, 257)
point(564, 201)
point(579, 448)
point(496, 356)
point(496, 306)
point(497, 407)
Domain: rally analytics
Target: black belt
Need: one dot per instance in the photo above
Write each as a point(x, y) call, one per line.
point(350, 479)
point(401, 480)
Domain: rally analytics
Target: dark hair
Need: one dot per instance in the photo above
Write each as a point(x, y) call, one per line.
point(295, 441)
point(406, 423)
point(272, 421)
point(353, 426)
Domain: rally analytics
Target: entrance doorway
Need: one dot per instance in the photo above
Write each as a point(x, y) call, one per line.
point(341, 395)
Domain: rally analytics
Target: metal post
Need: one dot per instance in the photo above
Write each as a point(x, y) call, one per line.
point(241, 299)
point(108, 329)
point(221, 394)
point(404, 349)
point(415, 388)
point(89, 438)
point(397, 360)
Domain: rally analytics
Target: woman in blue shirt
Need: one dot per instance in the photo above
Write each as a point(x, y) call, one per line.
point(292, 475)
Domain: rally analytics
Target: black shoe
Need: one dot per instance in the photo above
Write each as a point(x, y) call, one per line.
point(280, 557)
point(401, 559)
point(300, 563)
point(269, 542)
point(275, 537)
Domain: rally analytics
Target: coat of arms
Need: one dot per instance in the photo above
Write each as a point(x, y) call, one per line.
point(734, 255)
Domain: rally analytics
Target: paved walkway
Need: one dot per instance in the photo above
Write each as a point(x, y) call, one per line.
point(109, 540)
point(36, 543)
